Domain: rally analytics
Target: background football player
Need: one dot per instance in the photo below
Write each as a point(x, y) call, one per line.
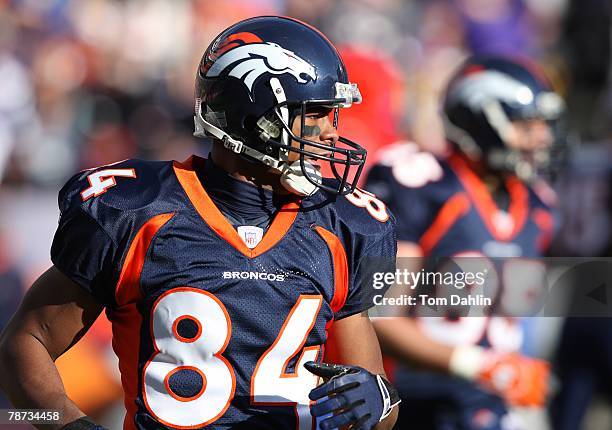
point(484, 199)
point(222, 277)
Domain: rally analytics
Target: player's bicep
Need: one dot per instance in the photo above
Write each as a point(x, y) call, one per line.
point(409, 260)
point(352, 341)
point(56, 311)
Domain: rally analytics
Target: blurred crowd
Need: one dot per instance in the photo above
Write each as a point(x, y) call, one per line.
point(89, 82)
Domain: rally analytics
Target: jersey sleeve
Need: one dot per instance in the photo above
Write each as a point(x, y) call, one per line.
point(82, 250)
point(376, 257)
point(413, 210)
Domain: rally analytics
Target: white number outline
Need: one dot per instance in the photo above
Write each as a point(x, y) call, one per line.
point(364, 199)
point(218, 355)
point(484, 327)
point(102, 180)
point(303, 419)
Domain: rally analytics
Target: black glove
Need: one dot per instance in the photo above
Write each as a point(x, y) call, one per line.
point(363, 398)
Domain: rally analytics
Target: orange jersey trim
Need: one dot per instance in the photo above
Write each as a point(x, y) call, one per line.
point(519, 204)
point(453, 209)
point(341, 284)
point(126, 319)
point(212, 216)
point(340, 263)
point(545, 222)
point(127, 322)
point(485, 205)
point(126, 290)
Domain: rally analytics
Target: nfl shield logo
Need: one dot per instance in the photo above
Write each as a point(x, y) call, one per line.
point(251, 235)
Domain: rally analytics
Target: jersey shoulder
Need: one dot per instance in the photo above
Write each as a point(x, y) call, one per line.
point(127, 184)
point(119, 195)
point(406, 176)
point(101, 209)
point(403, 166)
point(359, 217)
point(414, 184)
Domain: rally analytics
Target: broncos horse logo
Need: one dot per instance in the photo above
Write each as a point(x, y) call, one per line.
point(249, 61)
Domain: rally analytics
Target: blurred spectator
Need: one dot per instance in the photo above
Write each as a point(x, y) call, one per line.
point(375, 122)
point(11, 293)
point(498, 26)
point(586, 39)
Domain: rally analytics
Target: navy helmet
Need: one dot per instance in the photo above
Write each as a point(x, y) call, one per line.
point(260, 74)
point(484, 96)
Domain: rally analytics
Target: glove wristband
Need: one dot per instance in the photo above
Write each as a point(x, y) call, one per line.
point(83, 423)
point(390, 396)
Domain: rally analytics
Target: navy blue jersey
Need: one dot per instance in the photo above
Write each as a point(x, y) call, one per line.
point(445, 208)
point(208, 331)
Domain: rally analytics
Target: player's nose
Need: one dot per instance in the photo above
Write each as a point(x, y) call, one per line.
point(329, 135)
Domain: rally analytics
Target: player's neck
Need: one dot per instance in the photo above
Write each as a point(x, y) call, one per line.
point(252, 173)
point(493, 179)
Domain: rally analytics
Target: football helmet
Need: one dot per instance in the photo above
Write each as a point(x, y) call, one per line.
point(260, 74)
point(485, 95)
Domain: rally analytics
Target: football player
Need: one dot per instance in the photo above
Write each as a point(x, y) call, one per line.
point(225, 278)
point(485, 199)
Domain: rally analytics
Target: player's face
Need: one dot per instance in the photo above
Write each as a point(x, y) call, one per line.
point(318, 127)
point(529, 135)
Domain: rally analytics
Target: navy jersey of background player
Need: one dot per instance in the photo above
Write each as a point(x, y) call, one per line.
point(445, 208)
point(210, 331)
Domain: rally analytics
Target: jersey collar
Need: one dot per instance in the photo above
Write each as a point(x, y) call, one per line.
point(212, 216)
point(486, 206)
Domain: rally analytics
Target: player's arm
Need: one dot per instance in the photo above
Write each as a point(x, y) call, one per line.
point(362, 350)
point(53, 316)
point(400, 337)
point(354, 390)
point(524, 381)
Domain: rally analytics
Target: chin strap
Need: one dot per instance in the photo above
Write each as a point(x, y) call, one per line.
point(294, 180)
point(204, 128)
